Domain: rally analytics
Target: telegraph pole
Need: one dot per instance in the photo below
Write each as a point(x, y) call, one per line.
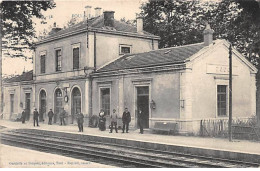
point(230, 94)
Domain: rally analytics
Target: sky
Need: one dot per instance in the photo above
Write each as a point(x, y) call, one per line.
point(63, 12)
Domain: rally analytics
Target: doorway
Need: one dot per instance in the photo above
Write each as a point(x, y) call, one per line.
point(57, 104)
point(76, 103)
point(143, 103)
point(27, 106)
point(42, 105)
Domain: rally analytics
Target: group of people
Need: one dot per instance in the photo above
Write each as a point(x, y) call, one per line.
point(63, 114)
point(126, 119)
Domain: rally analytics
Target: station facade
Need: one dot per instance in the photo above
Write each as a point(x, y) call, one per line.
point(102, 63)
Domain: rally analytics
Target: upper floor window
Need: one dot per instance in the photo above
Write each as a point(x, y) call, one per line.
point(58, 59)
point(75, 54)
point(222, 100)
point(125, 49)
point(43, 62)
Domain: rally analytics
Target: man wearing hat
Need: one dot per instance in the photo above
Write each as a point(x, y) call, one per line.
point(50, 115)
point(35, 117)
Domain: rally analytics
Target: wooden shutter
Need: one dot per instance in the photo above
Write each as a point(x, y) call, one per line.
point(75, 58)
point(42, 63)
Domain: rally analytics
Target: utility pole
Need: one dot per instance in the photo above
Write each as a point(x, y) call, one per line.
point(230, 94)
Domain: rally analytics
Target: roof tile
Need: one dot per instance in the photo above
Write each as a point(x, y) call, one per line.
point(155, 57)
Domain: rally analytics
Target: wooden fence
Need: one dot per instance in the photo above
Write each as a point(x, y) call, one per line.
point(241, 128)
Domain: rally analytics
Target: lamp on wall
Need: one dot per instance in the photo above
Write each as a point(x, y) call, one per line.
point(152, 104)
point(182, 103)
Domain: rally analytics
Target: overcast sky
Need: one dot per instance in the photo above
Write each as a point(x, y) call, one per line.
point(63, 12)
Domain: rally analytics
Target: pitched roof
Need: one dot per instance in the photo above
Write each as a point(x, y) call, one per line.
point(26, 76)
point(98, 23)
point(156, 57)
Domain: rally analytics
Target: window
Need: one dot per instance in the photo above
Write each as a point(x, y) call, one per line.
point(124, 49)
point(105, 100)
point(75, 52)
point(222, 100)
point(42, 63)
point(58, 59)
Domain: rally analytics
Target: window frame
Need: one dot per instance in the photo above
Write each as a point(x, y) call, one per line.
point(74, 46)
point(124, 45)
point(43, 53)
point(217, 100)
point(56, 59)
point(100, 98)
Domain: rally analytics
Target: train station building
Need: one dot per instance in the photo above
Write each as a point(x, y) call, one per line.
point(102, 63)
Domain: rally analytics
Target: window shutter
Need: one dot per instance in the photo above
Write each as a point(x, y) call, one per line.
point(43, 64)
point(76, 58)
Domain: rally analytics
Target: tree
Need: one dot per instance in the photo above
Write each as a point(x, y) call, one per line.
point(180, 22)
point(17, 27)
point(17, 30)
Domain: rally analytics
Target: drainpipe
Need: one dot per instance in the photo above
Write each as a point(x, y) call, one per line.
point(152, 45)
point(95, 52)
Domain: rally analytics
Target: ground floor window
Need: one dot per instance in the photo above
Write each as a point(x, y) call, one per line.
point(105, 100)
point(222, 100)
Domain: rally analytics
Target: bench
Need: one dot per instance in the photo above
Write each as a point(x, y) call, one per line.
point(168, 127)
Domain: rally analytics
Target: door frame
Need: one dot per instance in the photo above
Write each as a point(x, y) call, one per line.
point(141, 83)
point(39, 104)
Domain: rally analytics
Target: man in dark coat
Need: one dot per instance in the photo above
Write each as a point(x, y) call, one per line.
point(126, 118)
point(62, 116)
point(140, 120)
point(35, 117)
point(80, 120)
point(23, 116)
point(50, 115)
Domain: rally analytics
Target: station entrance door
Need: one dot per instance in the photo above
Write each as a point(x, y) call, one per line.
point(143, 103)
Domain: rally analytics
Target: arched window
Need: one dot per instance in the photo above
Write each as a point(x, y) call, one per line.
point(57, 103)
point(76, 102)
point(43, 103)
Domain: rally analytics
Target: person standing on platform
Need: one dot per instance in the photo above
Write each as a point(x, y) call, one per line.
point(35, 117)
point(62, 116)
point(126, 118)
point(23, 116)
point(102, 121)
point(50, 115)
point(113, 121)
point(140, 117)
point(80, 120)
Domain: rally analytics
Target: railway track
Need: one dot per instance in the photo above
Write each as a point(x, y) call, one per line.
point(114, 154)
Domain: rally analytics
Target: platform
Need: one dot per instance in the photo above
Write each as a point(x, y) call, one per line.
point(215, 147)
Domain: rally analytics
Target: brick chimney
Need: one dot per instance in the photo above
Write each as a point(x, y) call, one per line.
point(97, 11)
point(139, 24)
point(87, 12)
point(55, 29)
point(109, 18)
point(208, 35)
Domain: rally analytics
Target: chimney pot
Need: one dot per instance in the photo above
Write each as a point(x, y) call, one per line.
point(97, 11)
point(54, 25)
point(139, 24)
point(208, 35)
point(109, 18)
point(87, 12)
